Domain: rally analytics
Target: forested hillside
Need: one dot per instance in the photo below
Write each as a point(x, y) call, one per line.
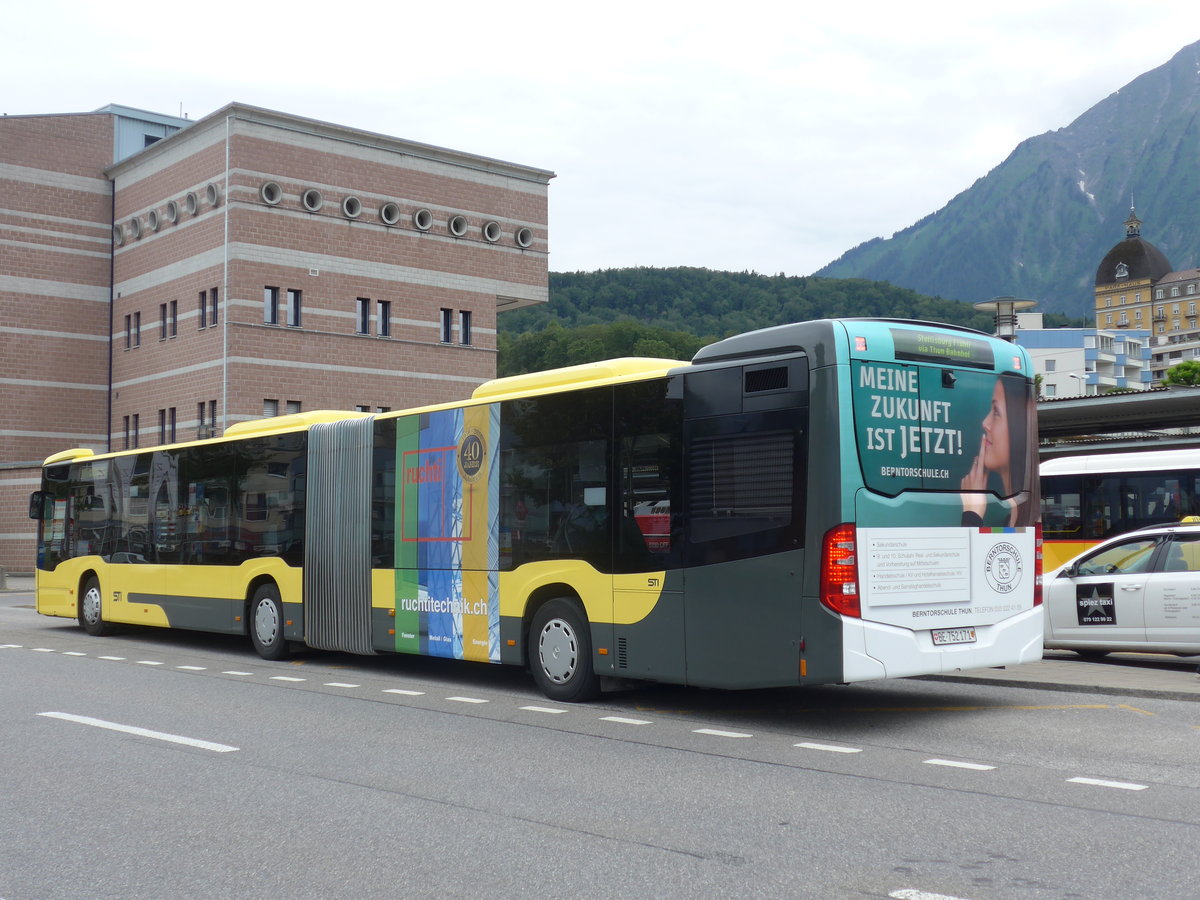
point(671, 313)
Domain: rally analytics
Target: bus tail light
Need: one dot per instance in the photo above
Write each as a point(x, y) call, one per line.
point(839, 571)
point(1037, 564)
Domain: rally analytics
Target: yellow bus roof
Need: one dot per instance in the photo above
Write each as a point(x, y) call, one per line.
point(610, 371)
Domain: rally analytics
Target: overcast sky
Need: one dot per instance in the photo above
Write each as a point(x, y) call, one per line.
point(748, 135)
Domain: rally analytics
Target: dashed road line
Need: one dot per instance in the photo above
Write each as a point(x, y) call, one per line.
point(828, 748)
point(235, 672)
point(718, 732)
point(287, 678)
point(147, 662)
point(545, 709)
point(140, 732)
point(404, 692)
point(1100, 782)
point(340, 684)
point(193, 668)
point(622, 720)
point(957, 764)
point(467, 699)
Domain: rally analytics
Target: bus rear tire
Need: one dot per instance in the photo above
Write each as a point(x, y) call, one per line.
point(91, 618)
point(560, 652)
point(266, 623)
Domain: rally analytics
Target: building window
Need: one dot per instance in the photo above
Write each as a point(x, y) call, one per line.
point(1124, 318)
point(173, 318)
point(293, 308)
point(171, 420)
point(383, 318)
point(1108, 318)
point(270, 408)
point(1137, 314)
point(162, 426)
point(464, 326)
point(1122, 299)
point(128, 332)
point(1051, 390)
point(383, 409)
point(447, 325)
point(201, 431)
point(1175, 291)
point(137, 427)
point(1051, 364)
point(125, 421)
point(162, 321)
point(203, 309)
point(213, 296)
point(270, 306)
point(293, 407)
point(1158, 294)
point(362, 408)
point(1191, 289)
point(137, 337)
point(362, 316)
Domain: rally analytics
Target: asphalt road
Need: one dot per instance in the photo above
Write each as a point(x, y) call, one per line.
point(155, 764)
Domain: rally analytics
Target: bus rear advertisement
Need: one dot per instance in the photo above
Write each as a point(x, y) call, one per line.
point(822, 502)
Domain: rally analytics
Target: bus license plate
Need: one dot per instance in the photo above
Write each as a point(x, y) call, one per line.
point(954, 636)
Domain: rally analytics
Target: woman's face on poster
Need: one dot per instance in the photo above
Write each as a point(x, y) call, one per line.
point(995, 432)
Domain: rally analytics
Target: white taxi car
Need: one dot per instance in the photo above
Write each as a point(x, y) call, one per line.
point(1137, 591)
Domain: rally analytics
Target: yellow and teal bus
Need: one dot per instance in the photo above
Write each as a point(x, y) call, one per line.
point(822, 502)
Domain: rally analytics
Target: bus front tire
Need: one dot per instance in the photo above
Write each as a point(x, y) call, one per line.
point(560, 652)
point(91, 618)
point(266, 623)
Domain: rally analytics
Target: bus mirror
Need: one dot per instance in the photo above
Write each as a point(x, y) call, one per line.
point(37, 505)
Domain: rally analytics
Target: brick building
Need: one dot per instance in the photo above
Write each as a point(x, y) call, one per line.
point(162, 279)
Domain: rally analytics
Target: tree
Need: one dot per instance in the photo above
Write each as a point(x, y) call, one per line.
point(1185, 373)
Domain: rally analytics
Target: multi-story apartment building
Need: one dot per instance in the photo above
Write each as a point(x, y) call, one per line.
point(163, 278)
point(1136, 288)
point(1075, 362)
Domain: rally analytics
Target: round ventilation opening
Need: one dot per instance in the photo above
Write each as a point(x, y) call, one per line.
point(457, 225)
point(390, 213)
point(212, 195)
point(312, 200)
point(524, 237)
point(172, 212)
point(191, 204)
point(491, 231)
point(271, 193)
point(423, 219)
point(351, 207)
point(118, 235)
point(152, 220)
point(135, 228)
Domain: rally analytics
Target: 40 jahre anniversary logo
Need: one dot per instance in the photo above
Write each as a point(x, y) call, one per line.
point(1003, 567)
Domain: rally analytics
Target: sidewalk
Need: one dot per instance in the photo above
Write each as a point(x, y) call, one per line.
point(1152, 675)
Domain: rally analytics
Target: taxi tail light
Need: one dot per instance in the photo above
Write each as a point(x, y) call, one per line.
point(1037, 564)
point(839, 571)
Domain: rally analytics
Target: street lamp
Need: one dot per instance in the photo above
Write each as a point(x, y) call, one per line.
point(1079, 378)
point(1004, 313)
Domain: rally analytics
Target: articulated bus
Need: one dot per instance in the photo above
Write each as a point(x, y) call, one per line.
point(823, 502)
point(1090, 497)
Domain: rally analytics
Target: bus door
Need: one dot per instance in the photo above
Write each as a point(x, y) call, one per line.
point(648, 604)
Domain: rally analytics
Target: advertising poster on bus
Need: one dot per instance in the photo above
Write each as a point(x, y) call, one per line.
point(447, 600)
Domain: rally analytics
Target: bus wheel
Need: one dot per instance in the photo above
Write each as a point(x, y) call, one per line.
point(560, 652)
point(266, 623)
point(90, 619)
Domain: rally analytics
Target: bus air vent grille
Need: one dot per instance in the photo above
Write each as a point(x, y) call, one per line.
point(622, 653)
point(774, 379)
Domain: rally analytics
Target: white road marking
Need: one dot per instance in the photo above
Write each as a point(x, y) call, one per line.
point(340, 684)
point(914, 894)
point(955, 764)
point(147, 662)
point(286, 678)
point(233, 672)
point(192, 668)
point(42, 649)
point(543, 709)
point(10, 646)
point(716, 732)
point(117, 658)
point(73, 653)
point(624, 721)
point(466, 700)
point(141, 732)
point(404, 692)
point(1099, 782)
point(828, 748)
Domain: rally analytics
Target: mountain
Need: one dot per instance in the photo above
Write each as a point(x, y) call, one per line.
point(1039, 224)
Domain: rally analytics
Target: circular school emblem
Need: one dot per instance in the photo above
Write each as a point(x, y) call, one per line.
point(1002, 567)
point(472, 451)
